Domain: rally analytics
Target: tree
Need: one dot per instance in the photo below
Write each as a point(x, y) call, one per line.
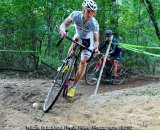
point(153, 18)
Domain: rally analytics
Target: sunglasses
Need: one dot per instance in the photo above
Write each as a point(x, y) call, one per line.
point(90, 11)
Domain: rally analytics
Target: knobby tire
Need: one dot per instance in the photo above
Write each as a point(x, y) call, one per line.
point(52, 95)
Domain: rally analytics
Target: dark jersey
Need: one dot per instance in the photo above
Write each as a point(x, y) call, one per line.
point(115, 49)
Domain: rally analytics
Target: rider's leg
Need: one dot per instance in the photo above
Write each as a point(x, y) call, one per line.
point(80, 73)
point(115, 64)
point(82, 68)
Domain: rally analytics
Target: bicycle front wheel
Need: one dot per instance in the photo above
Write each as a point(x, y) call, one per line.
point(58, 85)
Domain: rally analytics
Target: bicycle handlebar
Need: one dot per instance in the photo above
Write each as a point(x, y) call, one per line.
point(59, 42)
point(92, 51)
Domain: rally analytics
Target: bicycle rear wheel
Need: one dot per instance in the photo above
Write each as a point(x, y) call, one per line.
point(58, 85)
point(121, 75)
point(92, 74)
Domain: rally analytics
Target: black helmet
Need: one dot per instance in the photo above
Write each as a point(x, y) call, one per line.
point(108, 33)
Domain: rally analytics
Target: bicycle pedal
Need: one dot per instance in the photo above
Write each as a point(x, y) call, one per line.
point(59, 68)
point(110, 81)
point(53, 81)
point(94, 79)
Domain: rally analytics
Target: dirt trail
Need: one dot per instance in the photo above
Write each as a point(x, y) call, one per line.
point(134, 104)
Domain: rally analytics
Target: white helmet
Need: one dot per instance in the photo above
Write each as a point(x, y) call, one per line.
point(90, 4)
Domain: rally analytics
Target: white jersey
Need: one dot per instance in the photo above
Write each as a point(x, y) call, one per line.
point(85, 30)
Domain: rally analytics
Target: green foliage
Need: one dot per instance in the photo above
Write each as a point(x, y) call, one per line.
point(34, 25)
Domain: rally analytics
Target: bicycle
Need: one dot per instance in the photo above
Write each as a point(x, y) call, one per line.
point(93, 70)
point(65, 75)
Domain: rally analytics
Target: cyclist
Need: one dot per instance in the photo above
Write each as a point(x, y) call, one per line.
point(115, 50)
point(87, 31)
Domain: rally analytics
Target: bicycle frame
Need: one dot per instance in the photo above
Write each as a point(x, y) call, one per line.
point(94, 68)
point(74, 56)
point(101, 60)
point(63, 76)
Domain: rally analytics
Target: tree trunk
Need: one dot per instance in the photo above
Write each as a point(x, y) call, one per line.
point(153, 18)
point(49, 35)
point(102, 17)
point(34, 40)
point(114, 17)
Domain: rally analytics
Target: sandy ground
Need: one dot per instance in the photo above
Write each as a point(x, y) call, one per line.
point(133, 105)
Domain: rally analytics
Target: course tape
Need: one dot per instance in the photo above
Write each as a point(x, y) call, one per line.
point(138, 46)
point(140, 51)
point(23, 51)
point(135, 48)
point(131, 47)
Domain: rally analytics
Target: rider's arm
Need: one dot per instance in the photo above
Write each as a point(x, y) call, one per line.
point(64, 25)
point(96, 43)
point(67, 22)
point(96, 40)
point(96, 36)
